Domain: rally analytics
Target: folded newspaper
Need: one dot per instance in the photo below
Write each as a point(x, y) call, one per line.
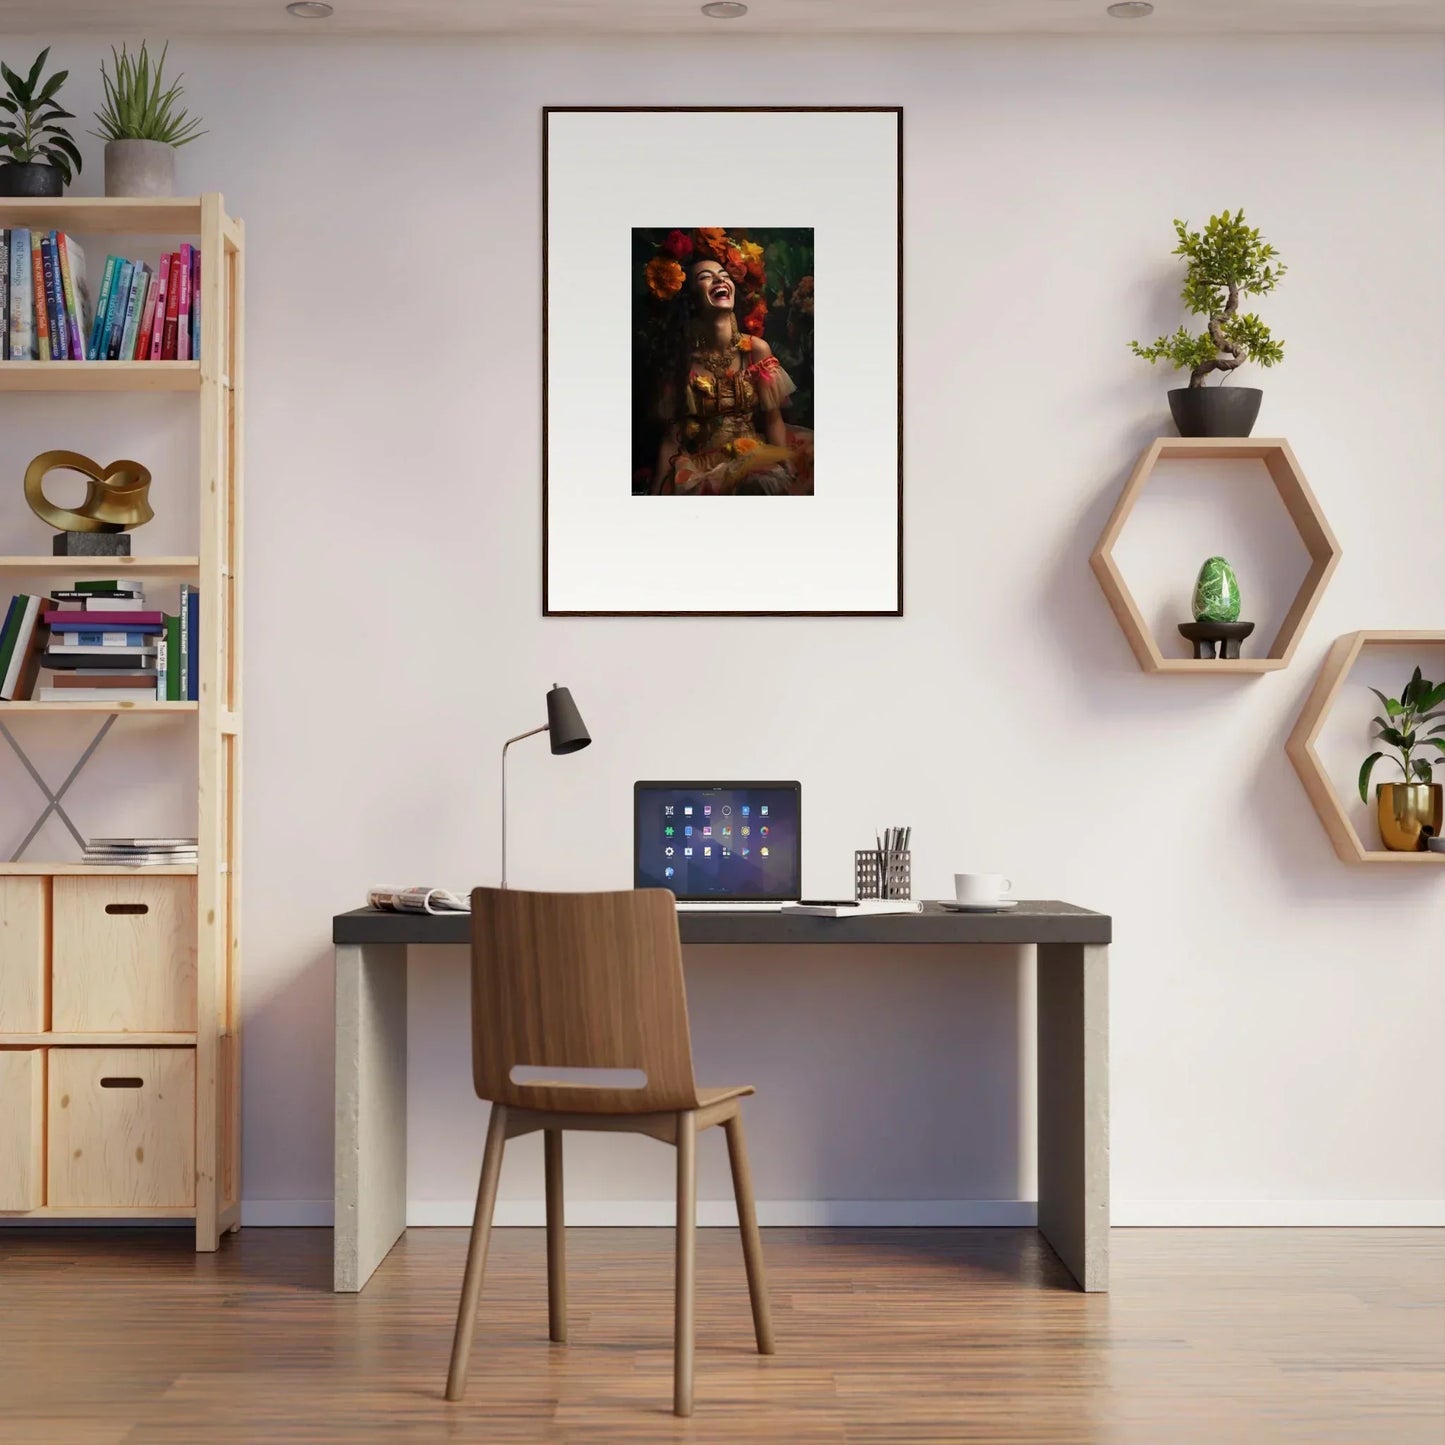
point(418, 900)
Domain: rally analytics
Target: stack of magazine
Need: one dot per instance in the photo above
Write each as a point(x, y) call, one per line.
point(141, 852)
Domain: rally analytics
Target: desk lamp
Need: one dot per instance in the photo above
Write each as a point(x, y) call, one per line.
point(567, 734)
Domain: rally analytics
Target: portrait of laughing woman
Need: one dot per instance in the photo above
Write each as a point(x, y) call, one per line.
point(715, 411)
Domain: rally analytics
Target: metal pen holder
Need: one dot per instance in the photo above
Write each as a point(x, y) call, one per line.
point(882, 875)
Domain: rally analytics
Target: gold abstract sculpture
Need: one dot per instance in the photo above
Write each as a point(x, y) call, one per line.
point(115, 496)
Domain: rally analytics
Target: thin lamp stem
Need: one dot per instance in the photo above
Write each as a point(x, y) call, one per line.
point(533, 733)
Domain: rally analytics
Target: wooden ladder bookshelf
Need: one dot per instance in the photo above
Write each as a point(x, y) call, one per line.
point(200, 1159)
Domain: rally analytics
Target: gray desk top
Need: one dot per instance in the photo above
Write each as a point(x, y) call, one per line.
point(1033, 921)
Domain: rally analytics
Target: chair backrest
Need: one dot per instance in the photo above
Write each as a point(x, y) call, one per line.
point(579, 981)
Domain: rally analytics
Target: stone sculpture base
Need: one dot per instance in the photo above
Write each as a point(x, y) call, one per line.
point(91, 544)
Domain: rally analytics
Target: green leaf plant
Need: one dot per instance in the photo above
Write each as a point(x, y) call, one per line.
point(137, 104)
point(1225, 263)
point(29, 111)
point(1403, 728)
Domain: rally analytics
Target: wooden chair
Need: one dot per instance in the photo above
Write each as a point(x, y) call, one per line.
point(572, 981)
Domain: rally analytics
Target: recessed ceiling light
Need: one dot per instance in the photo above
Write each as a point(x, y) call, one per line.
point(310, 9)
point(1131, 9)
point(725, 10)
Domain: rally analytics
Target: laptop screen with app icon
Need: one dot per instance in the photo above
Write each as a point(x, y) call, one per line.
point(719, 842)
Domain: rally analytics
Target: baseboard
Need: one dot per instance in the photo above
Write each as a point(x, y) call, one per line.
point(897, 1213)
point(1278, 1213)
point(720, 1213)
point(286, 1213)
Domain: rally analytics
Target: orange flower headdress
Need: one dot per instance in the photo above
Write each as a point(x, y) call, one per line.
point(740, 257)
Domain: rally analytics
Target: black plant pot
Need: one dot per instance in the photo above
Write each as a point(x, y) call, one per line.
point(30, 179)
point(1215, 411)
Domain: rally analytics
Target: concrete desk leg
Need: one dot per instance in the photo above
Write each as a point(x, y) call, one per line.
point(1073, 1091)
point(370, 1108)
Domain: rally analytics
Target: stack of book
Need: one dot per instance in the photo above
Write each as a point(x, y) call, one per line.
point(140, 313)
point(140, 852)
point(101, 643)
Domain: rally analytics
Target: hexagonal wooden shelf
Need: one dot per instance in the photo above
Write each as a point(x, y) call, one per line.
point(1301, 747)
point(1304, 512)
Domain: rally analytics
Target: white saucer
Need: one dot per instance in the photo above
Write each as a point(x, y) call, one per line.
point(1436, 845)
point(1002, 906)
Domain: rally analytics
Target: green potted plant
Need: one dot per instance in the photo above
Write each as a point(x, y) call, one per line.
point(37, 156)
point(141, 125)
point(1409, 812)
point(1225, 263)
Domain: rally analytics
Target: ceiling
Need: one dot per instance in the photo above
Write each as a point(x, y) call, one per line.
point(105, 18)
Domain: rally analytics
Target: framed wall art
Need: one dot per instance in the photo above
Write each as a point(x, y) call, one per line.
point(723, 361)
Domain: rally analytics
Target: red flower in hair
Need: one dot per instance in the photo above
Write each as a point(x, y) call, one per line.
point(753, 321)
point(678, 245)
point(732, 258)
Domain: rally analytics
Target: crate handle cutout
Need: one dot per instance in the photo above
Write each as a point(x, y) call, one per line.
point(560, 1078)
point(127, 908)
point(122, 1082)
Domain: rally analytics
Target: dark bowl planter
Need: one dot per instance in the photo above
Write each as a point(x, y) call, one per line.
point(30, 178)
point(1215, 411)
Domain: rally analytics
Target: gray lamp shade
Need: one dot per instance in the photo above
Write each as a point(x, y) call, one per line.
point(565, 729)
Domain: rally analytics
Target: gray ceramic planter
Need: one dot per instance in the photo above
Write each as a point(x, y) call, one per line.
point(140, 168)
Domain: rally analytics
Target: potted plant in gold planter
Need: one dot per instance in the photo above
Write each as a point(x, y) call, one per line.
point(141, 125)
point(1225, 263)
point(1410, 812)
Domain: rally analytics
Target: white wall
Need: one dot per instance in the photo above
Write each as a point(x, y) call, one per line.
point(1276, 1016)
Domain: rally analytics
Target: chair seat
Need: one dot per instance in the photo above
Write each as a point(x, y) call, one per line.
point(707, 1097)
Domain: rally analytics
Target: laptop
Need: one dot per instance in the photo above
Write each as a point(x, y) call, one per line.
point(719, 845)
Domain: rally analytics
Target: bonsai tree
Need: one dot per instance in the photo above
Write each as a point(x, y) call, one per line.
point(1405, 716)
point(1226, 262)
point(29, 111)
point(137, 107)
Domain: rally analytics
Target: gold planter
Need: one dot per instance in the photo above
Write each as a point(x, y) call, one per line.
point(1409, 813)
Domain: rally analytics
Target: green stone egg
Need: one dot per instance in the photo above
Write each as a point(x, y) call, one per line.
point(1216, 593)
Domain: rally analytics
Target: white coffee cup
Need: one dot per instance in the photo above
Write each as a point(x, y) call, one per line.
point(980, 888)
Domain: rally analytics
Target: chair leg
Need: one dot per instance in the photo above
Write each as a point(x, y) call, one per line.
point(477, 1253)
point(556, 1238)
point(686, 1284)
point(748, 1228)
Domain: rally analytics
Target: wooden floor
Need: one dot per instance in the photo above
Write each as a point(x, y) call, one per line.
point(1210, 1336)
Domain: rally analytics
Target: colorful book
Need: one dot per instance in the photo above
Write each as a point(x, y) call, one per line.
point(158, 323)
point(172, 655)
point(96, 601)
point(110, 658)
point(142, 347)
point(145, 692)
point(13, 613)
point(77, 293)
point(37, 291)
point(114, 621)
point(54, 302)
point(133, 308)
point(183, 307)
point(196, 304)
point(173, 303)
point(95, 347)
point(25, 655)
point(22, 313)
point(4, 295)
point(119, 300)
point(190, 643)
point(111, 585)
point(101, 639)
point(100, 678)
